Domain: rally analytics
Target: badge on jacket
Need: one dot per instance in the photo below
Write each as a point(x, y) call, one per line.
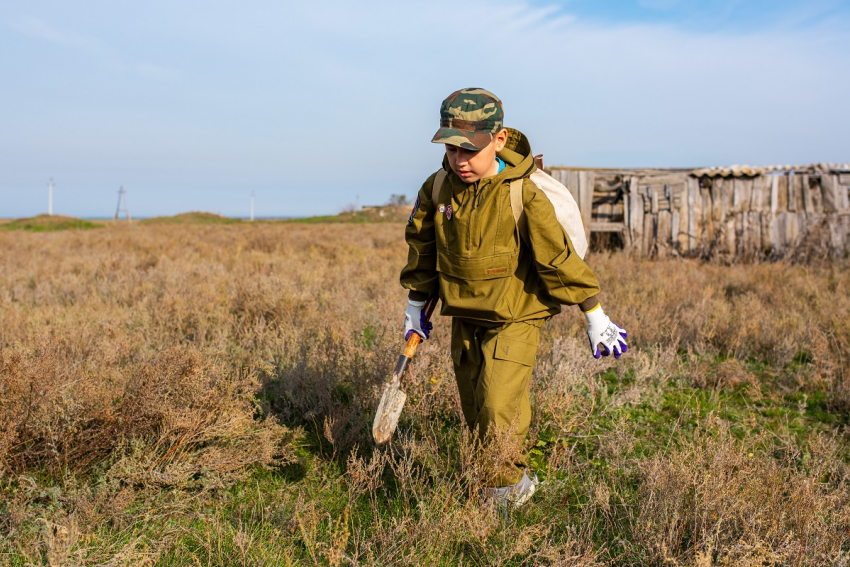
point(449, 212)
point(413, 212)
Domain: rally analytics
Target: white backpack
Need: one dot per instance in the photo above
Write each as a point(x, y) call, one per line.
point(566, 208)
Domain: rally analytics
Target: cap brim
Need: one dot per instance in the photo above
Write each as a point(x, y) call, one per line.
point(462, 138)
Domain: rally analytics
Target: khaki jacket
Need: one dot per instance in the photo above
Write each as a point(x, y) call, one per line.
point(476, 259)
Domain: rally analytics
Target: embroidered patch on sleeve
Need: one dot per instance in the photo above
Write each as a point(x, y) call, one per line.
point(413, 212)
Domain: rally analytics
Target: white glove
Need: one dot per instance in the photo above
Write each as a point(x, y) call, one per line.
point(605, 334)
point(414, 320)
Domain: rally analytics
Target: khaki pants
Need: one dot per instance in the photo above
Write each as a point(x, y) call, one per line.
point(493, 364)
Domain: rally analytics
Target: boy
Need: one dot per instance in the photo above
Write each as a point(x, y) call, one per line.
point(498, 285)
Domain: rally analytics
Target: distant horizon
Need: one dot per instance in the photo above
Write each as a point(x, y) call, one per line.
point(350, 205)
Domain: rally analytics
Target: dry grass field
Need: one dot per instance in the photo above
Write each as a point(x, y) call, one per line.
point(179, 394)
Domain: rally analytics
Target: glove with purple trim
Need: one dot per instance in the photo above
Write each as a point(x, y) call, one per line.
point(414, 320)
point(605, 336)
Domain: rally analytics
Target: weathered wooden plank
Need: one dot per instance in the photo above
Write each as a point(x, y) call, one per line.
point(707, 232)
point(791, 182)
point(757, 194)
point(627, 212)
point(747, 192)
point(663, 232)
point(726, 197)
point(737, 195)
point(731, 233)
point(668, 178)
point(740, 233)
point(831, 193)
point(597, 226)
point(716, 200)
point(585, 203)
point(754, 234)
point(676, 234)
point(844, 179)
point(627, 217)
point(792, 228)
point(654, 196)
point(803, 225)
point(751, 234)
point(693, 213)
point(561, 176)
point(572, 185)
point(767, 220)
point(808, 202)
point(636, 215)
point(816, 193)
point(777, 231)
point(782, 193)
point(774, 194)
point(798, 194)
point(650, 223)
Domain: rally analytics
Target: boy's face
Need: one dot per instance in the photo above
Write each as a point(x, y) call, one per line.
point(472, 165)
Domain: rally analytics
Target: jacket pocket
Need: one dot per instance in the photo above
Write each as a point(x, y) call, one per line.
point(476, 288)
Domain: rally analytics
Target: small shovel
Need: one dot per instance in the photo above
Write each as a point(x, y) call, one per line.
point(392, 398)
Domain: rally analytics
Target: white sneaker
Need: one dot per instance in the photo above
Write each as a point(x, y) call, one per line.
point(525, 488)
point(516, 494)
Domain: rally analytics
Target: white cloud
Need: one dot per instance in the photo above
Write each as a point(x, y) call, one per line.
point(36, 28)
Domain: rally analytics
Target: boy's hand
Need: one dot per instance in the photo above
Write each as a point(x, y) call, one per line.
point(414, 320)
point(605, 336)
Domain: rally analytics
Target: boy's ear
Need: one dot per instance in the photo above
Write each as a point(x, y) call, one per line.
point(501, 139)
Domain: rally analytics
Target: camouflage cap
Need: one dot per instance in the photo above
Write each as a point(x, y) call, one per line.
point(469, 118)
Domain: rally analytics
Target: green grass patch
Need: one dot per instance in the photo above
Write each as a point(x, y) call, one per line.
point(194, 217)
point(49, 223)
point(388, 214)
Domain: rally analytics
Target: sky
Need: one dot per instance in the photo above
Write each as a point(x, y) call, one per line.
point(322, 105)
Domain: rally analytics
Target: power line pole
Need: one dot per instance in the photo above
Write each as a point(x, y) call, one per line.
point(50, 197)
point(122, 196)
point(252, 206)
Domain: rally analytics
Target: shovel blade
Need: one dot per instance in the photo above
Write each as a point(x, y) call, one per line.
point(389, 410)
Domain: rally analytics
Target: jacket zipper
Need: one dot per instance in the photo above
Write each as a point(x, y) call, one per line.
point(473, 217)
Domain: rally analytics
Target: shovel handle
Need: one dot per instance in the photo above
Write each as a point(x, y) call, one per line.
point(415, 338)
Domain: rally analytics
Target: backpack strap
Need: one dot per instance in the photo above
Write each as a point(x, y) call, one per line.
point(438, 183)
point(517, 209)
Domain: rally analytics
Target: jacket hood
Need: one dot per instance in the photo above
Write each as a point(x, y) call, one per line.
point(519, 160)
point(517, 153)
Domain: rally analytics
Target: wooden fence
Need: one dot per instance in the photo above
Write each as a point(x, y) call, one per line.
point(743, 213)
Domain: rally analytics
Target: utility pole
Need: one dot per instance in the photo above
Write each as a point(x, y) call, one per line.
point(122, 196)
point(252, 206)
point(50, 197)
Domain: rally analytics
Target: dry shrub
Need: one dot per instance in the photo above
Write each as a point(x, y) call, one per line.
point(816, 245)
point(181, 415)
point(728, 373)
point(719, 498)
point(769, 312)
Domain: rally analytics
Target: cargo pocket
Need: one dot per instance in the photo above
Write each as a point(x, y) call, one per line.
point(515, 350)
